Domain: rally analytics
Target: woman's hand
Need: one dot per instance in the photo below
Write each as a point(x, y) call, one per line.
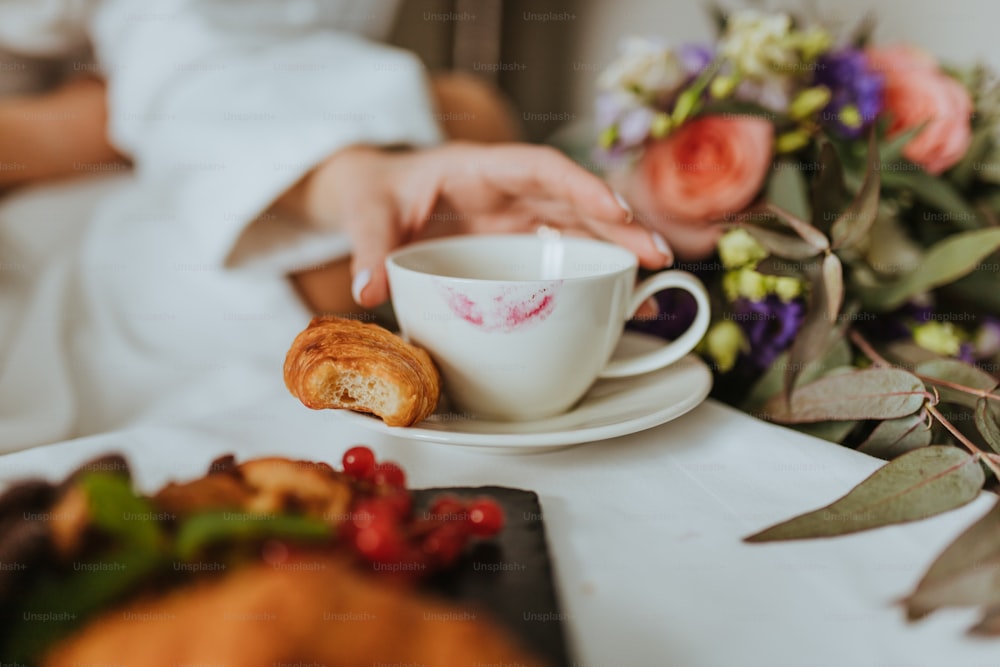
point(383, 199)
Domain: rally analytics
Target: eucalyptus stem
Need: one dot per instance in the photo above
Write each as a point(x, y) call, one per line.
point(878, 360)
point(869, 351)
point(971, 446)
point(981, 393)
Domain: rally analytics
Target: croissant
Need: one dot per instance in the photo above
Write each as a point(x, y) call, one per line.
point(307, 610)
point(341, 363)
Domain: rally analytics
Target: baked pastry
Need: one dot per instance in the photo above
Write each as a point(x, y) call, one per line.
point(269, 561)
point(313, 610)
point(346, 364)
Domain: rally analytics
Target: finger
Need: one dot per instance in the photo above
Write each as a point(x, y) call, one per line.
point(649, 309)
point(374, 233)
point(522, 170)
point(651, 248)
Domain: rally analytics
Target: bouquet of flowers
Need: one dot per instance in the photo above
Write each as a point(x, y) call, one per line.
point(841, 200)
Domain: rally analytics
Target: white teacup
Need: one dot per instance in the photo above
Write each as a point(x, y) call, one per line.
point(522, 325)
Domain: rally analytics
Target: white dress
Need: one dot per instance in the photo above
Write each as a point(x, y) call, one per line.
point(160, 294)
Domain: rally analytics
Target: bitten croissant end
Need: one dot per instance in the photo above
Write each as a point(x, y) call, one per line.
point(347, 364)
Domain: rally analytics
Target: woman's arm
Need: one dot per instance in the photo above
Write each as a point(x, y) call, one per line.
point(57, 134)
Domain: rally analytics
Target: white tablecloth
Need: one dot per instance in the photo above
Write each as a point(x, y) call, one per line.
point(644, 533)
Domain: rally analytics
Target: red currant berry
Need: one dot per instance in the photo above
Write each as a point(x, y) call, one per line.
point(359, 462)
point(486, 517)
point(447, 508)
point(400, 502)
point(389, 474)
point(379, 544)
point(376, 534)
point(444, 544)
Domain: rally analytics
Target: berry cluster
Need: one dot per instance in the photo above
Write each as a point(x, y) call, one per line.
point(382, 529)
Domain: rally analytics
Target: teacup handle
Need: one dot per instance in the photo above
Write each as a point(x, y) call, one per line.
point(676, 349)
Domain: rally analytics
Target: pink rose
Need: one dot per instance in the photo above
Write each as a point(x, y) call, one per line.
point(710, 168)
point(918, 92)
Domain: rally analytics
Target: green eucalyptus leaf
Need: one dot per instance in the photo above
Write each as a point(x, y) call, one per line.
point(979, 287)
point(830, 431)
point(922, 483)
point(829, 192)
point(833, 283)
point(908, 354)
point(987, 169)
point(787, 189)
point(719, 16)
point(781, 266)
point(806, 231)
point(782, 245)
point(891, 150)
point(987, 419)
point(891, 251)
point(861, 35)
point(976, 156)
point(838, 354)
point(957, 372)
point(853, 225)
point(895, 437)
point(934, 192)
point(813, 338)
point(966, 573)
point(872, 393)
point(945, 261)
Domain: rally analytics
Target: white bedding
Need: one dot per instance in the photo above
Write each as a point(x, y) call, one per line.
point(105, 321)
point(183, 363)
point(644, 531)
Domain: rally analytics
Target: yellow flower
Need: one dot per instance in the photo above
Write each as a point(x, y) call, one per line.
point(723, 344)
point(745, 283)
point(723, 86)
point(787, 288)
point(789, 142)
point(939, 337)
point(808, 102)
point(661, 125)
point(814, 42)
point(738, 248)
point(850, 116)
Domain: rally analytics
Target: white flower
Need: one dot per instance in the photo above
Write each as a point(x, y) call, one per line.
point(759, 44)
point(644, 66)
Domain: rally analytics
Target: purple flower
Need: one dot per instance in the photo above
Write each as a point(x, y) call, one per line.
point(987, 338)
point(770, 326)
point(966, 353)
point(695, 57)
point(855, 91)
point(633, 126)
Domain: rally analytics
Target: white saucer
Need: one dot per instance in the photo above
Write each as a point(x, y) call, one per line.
point(610, 409)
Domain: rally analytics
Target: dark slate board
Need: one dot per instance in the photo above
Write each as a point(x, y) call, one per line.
point(510, 576)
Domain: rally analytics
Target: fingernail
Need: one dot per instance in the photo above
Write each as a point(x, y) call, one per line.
point(359, 284)
point(661, 245)
point(629, 216)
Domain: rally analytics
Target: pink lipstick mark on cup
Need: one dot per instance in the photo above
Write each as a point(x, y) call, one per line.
point(507, 309)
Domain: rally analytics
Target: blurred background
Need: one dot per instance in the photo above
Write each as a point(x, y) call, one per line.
point(546, 54)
